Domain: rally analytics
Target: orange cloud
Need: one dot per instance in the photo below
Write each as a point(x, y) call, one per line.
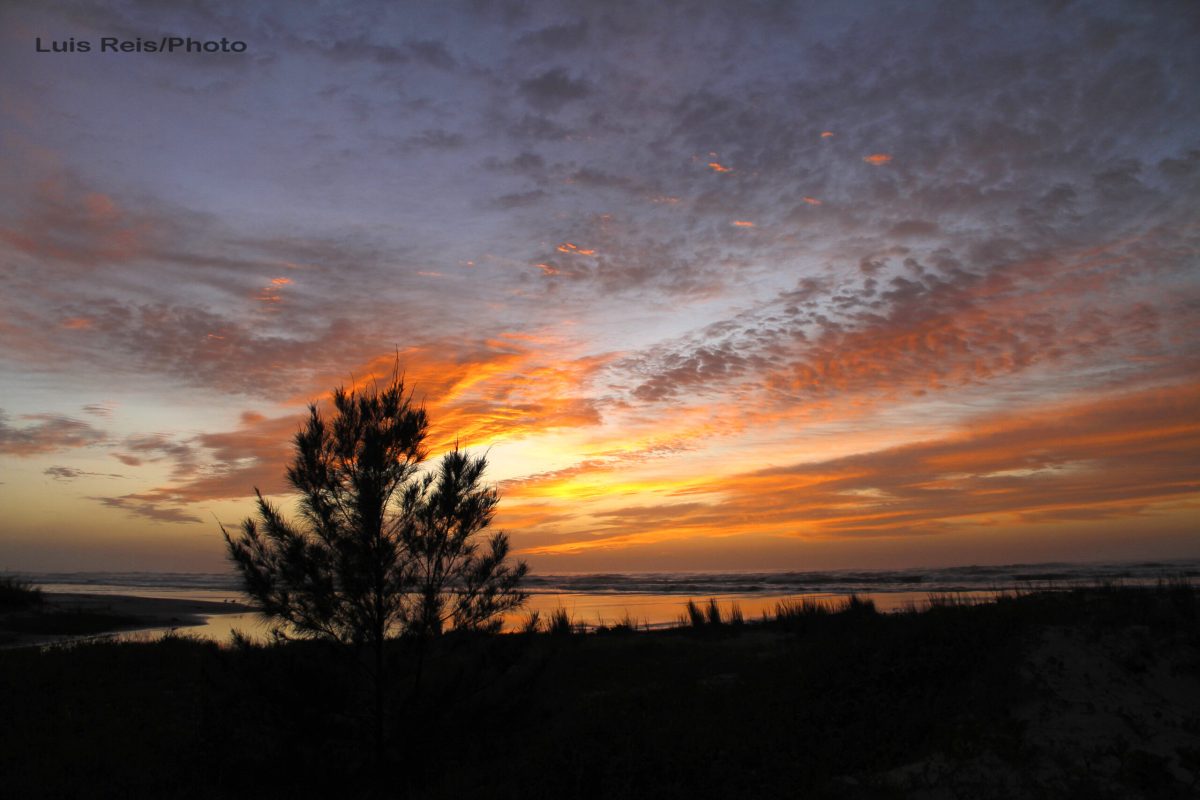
point(716, 167)
point(270, 293)
point(826, 134)
point(741, 223)
point(1115, 458)
point(77, 323)
point(570, 247)
point(1009, 323)
point(502, 389)
point(877, 158)
point(253, 455)
point(812, 201)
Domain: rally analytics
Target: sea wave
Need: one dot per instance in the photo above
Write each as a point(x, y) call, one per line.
point(943, 579)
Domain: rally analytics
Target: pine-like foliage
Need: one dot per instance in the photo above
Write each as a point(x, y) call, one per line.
point(457, 581)
point(379, 551)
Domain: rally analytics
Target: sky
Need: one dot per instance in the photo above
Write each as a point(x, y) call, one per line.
point(715, 286)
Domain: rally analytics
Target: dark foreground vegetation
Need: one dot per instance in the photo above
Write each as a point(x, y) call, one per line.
point(1091, 693)
point(18, 595)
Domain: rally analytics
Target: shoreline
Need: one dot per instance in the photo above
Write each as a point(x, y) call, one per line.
point(67, 617)
point(104, 615)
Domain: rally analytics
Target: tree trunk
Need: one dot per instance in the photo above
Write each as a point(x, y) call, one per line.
point(379, 692)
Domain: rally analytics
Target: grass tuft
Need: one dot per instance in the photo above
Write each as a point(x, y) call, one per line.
point(695, 615)
point(627, 623)
point(709, 615)
point(560, 623)
point(532, 623)
point(16, 594)
point(796, 609)
point(712, 612)
point(858, 605)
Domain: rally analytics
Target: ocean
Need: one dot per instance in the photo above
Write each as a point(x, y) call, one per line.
point(658, 599)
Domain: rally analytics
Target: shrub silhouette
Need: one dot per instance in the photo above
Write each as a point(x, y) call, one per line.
point(18, 594)
point(560, 623)
point(378, 551)
point(695, 615)
point(455, 580)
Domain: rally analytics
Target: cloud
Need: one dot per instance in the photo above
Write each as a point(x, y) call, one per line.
point(432, 53)
point(85, 228)
point(503, 389)
point(212, 466)
point(48, 433)
point(1117, 458)
point(553, 89)
point(158, 447)
point(147, 506)
point(556, 38)
point(435, 139)
point(538, 128)
point(103, 410)
point(525, 163)
point(360, 47)
point(573, 249)
point(519, 199)
point(912, 327)
point(913, 227)
point(70, 473)
point(711, 366)
point(591, 178)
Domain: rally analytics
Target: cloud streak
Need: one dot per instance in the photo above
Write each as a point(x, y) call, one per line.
point(1118, 458)
point(46, 433)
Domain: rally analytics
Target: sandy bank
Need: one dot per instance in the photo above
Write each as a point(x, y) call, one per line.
point(68, 616)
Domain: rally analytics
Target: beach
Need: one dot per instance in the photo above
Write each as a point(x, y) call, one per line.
point(72, 616)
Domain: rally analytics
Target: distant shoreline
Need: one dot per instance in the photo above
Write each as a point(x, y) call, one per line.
point(960, 578)
point(207, 602)
point(99, 615)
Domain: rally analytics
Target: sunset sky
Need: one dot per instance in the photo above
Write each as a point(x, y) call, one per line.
point(717, 285)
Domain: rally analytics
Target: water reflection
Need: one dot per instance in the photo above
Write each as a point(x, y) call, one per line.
point(587, 610)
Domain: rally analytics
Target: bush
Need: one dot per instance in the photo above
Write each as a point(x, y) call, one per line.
point(560, 623)
point(16, 594)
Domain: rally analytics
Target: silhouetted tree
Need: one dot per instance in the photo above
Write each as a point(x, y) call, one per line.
point(457, 582)
point(379, 551)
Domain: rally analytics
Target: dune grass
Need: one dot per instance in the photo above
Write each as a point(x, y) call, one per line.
point(560, 623)
point(710, 616)
point(17, 594)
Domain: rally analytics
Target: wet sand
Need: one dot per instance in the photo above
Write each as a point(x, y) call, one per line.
point(127, 613)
